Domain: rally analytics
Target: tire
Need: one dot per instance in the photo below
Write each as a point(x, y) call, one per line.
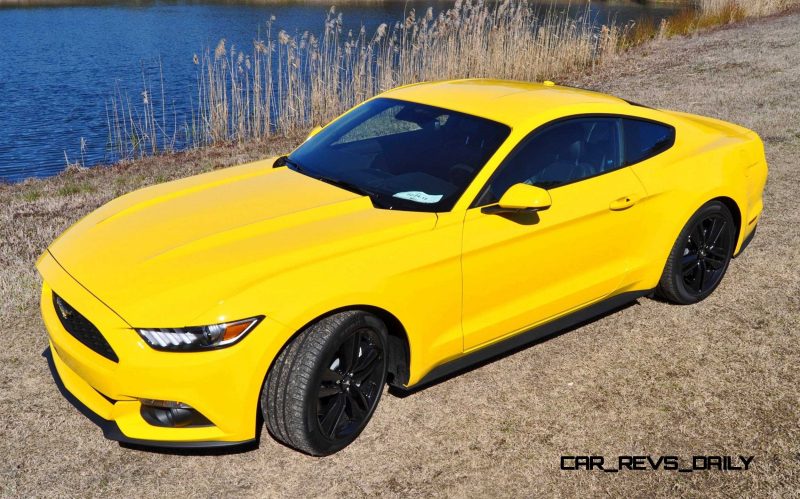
point(700, 255)
point(326, 383)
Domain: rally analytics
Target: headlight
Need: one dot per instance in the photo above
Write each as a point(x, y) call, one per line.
point(200, 337)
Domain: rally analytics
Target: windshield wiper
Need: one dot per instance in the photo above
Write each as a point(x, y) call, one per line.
point(342, 184)
point(377, 198)
point(348, 186)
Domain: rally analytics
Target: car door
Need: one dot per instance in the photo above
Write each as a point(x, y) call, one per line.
point(523, 269)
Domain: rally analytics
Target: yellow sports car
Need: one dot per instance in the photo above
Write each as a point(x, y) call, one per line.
point(431, 227)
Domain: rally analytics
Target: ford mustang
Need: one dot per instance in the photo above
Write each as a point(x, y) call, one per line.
point(429, 228)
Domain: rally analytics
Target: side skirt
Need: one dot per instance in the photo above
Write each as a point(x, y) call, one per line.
point(747, 241)
point(525, 338)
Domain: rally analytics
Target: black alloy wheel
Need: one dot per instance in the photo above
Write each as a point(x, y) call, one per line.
point(325, 384)
point(700, 256)
point(349, 388)
point(706, 253)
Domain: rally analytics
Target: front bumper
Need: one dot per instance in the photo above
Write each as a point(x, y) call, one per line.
point(223, 385)
point(110, 428)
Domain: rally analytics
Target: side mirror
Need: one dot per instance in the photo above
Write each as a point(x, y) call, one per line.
point(521, 198)
point(314, 131)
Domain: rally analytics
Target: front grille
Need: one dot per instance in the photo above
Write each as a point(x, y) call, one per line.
point(81, 329)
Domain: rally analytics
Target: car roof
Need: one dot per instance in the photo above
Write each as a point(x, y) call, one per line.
point(505, 101)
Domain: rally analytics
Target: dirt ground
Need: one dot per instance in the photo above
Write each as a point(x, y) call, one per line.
point(718, 378)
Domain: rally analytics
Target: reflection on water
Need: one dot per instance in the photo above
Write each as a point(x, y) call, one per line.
point(60, 65)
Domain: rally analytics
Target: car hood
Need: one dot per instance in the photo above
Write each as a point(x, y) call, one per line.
point(161, 256)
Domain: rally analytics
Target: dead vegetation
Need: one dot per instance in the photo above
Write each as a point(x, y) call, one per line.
point(286, 83)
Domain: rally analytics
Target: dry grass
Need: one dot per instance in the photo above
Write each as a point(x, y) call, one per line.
point(700, 16)
point(285, 83)
point(687, 22)
point(718, 377)
point(708, 14)
point(751, 8)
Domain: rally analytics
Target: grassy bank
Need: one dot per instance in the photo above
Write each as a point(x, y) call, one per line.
point(719, 377)
point(708, 14)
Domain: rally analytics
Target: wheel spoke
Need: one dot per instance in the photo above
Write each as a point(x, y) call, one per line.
point(691, 277)
point(349, 351)
point(333, 416)
point(365, 365)
point(697, 237)
point(714, 261)
point(716, 232)
point(350, 387)
point(329, 375)
point(328, 390)
point(359, 405)
point(688, 261)
point(711, 227)
point(717, 253)
point(702, 275)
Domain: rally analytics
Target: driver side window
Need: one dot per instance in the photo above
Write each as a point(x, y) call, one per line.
point(559, 154)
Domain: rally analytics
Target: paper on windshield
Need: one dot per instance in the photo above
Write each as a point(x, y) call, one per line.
point(419, 196)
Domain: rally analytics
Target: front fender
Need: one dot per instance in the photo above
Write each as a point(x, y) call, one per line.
point(416, 279)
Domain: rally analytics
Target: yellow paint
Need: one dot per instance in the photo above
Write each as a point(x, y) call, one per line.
point(524, 196)
point(252, 240)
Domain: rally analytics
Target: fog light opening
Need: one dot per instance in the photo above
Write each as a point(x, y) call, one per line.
point(171, 414)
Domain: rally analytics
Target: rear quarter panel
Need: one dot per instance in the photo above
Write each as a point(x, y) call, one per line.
point(710, 159)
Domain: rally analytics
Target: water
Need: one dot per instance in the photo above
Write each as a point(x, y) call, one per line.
point(59, 66)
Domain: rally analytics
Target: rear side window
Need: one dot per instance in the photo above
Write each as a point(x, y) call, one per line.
point(645, 139)
point(561, 153)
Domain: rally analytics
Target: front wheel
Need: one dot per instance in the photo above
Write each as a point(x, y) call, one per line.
point(324, 386)
point(700, 256)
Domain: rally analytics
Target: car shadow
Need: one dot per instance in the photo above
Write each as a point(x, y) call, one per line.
point(198, 451)
point(405, 392)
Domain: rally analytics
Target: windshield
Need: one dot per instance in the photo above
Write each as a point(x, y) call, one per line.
point(403, 155)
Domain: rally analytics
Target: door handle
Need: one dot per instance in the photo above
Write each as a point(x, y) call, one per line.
point(622, 203)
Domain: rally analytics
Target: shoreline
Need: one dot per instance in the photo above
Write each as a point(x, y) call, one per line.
point(228, 154)
point(627, 45)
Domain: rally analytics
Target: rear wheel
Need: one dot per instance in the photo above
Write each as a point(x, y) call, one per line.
point(700, 256)
point(324, 386)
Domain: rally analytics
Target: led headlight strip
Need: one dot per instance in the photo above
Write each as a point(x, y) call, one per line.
point(198, 337)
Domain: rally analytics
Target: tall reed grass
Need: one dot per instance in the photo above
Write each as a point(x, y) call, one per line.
point(286, 83)
point(142, 125)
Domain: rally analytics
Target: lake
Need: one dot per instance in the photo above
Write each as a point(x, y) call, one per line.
point(59, 66)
